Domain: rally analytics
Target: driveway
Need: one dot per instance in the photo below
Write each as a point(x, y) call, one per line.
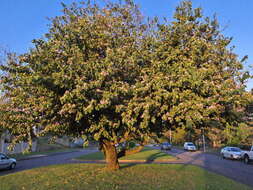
point(233, 169)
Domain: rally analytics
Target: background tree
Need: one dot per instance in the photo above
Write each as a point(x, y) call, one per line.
point(179, 135)
point(2, 129)
point(110, 75)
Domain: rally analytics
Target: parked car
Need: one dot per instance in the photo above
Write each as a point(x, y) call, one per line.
point(166, 146)
point(247, 155)
point(189, 146)
point(231, 152)
point(6, 162)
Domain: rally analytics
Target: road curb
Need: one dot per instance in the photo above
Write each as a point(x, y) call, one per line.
point(130, 161)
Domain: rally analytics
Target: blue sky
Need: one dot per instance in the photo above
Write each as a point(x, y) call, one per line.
point(21, 21)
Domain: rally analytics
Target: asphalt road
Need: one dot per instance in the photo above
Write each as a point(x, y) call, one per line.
point(233, 169)
point(58, 158)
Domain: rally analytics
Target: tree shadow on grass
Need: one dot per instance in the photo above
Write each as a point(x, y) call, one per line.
point(128, 165)
point(155, 156)
point(150, 159)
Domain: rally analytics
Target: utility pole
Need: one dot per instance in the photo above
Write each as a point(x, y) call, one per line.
point(204, 142)
point(170, 135)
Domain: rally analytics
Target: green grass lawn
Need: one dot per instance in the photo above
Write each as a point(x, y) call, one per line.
point(129, 177)
point(25, 155)
point(147, 154)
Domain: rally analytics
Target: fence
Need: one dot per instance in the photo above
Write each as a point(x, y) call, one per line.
point(19, 147)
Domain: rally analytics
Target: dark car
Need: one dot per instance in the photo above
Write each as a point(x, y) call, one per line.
point(166, 146)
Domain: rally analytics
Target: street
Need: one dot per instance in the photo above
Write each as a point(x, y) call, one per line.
point(233, 169)
point(59, 158)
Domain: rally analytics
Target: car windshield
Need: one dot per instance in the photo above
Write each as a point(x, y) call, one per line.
point(3, 156)
point(190, 144)
point(235, 149)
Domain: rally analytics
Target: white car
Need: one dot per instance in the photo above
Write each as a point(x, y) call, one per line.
point(247, 155)
point(189, 146)
point(6, 162)
point(231, 152)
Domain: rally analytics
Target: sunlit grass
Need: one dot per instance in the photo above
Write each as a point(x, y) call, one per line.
point(129, 177)
point(147, 154)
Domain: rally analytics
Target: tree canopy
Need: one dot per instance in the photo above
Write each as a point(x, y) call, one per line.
point(110, 74)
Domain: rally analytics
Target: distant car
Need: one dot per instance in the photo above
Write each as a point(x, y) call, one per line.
point(231, 152)
point(189, 146)
point(166, 146)
point(6, 162)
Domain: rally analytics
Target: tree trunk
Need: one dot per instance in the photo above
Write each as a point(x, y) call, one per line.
point(110, 154)
point(214, 144)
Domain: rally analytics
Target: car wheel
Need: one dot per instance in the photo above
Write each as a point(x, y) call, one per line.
point(246, 159)
point(223, 156)
point(12, 166)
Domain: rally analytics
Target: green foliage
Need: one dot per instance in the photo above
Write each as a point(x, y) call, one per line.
point(179, 135)
point(237, 135)
point(78, 80)
point(131, 144)
point(108, 74)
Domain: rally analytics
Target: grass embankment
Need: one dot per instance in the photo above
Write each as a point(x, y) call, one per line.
point(44, 147)
point(25, 155)
point(147, 154)
point(129, 177)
